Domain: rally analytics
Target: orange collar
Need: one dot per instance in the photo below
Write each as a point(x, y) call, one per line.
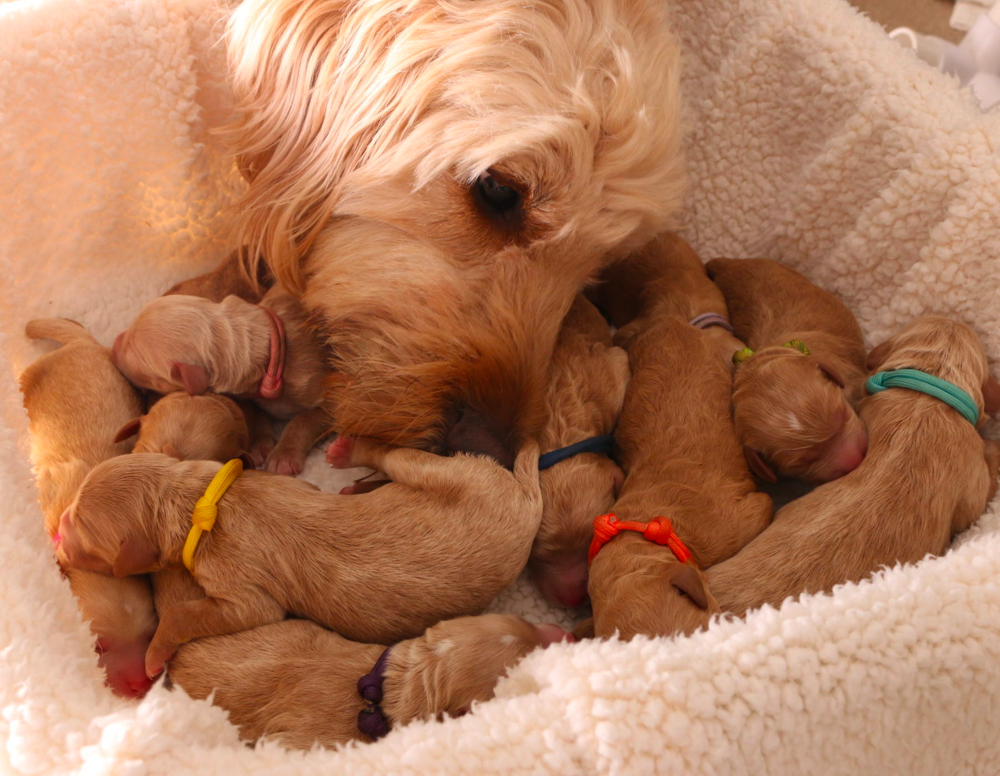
point(658, 530)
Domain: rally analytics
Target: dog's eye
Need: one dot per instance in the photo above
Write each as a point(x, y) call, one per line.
point(496, 198)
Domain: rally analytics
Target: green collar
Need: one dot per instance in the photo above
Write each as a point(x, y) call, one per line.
point(915, 380)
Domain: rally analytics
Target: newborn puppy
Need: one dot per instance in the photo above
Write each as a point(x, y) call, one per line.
point(297, 683)
point(205, 427)
point(586, 389)
point(928, 475)
point(683, 464)
point(265, 351)
point(794, 408)
point(439, 541)
point(229, 278)
point(667, 277)
point(75, 400)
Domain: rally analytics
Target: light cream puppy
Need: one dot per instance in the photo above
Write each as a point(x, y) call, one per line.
point(441, 540)
point(76, 400)
point(266, 351)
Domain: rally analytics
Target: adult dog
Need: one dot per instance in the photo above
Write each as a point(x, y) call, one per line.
point(439, 178)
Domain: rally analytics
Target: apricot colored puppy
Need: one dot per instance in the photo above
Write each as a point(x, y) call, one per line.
point(441, 540)
point(76, 400)
point(683, 462)
point(267, 352)
point(928, 475)
point(297, 683)
point(667, 277)
point(586, 389)
point(794, 410)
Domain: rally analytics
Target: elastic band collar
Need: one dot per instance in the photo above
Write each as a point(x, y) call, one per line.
point(925, 383)
point(372, 721)
point(272, 383)
point(658, 530)
point(745, 353)
point(205, 510)
point(604, 443)
point(705, 320)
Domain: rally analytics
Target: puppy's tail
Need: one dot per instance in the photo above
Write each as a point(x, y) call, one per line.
point(62, 330)
point(526, 469)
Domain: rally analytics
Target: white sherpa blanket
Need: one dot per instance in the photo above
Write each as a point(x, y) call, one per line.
point(813, 139)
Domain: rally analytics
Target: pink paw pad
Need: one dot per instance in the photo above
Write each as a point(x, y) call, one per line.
point(338, 453)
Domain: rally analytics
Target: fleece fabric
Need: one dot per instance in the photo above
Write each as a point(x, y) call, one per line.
point(813, 139)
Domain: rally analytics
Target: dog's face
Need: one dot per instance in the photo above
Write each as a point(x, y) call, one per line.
point(496, 157)
point(945, 348)
point(793, 419)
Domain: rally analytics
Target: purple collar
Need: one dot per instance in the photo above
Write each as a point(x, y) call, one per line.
point(372, 721)
point(705, 320)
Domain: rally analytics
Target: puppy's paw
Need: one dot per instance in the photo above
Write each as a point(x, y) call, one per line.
point(260, 451)
point(285, 462)
point(340, 453)
point(157, 655)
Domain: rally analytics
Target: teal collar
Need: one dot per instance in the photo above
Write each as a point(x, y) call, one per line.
point(915, 380)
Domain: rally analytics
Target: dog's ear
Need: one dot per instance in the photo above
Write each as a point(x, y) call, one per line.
point(131, 429)
point(687, 580)
point(876, 356)
point(758, 466)
point(191, 376)
point(136, 557)
point(991, 395)
point(831, 373)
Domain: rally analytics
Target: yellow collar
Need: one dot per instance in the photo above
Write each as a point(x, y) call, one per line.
point(205, 510)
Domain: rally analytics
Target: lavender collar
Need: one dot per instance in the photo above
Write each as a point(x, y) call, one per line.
point(705, 320)
point(372, 721)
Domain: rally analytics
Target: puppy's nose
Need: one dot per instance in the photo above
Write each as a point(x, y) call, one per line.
point(549, 634)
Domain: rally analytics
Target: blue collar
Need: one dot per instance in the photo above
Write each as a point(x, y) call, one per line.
point(925, 383)
point(605, 443)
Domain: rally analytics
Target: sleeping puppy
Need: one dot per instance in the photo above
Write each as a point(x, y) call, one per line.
point(441, 540)
point(297, 683)
point(193, 428)
point(794, 397)
point(928, 475)
point(683, 469)
point(265, 351)
point(667, 277)
point(76, 400)
point(586, 389)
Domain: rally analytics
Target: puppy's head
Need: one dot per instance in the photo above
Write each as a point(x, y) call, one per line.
point(108, 528)
point(493, 158)
point(173, 344)
point(458, 662)
point(123, 621)
point(793, 419)
point(947, 349)
point(208, 427)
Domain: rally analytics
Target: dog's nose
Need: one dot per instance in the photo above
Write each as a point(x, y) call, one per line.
point(549, 634)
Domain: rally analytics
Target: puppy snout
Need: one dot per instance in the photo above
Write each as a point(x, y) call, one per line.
point(549, 634)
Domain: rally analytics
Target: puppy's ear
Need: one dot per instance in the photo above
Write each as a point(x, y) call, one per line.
point(876, 356)
point(687, 580)
point(991, 395)
point(131, 429)
point(758, 466)
point(136, 557)
point(191, 376)
point(831, 373)
point(169, 450)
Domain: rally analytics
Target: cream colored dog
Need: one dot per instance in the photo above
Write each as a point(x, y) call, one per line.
point(441, 179)
point(265, 351)
point(76, 400)
point(441, 540)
